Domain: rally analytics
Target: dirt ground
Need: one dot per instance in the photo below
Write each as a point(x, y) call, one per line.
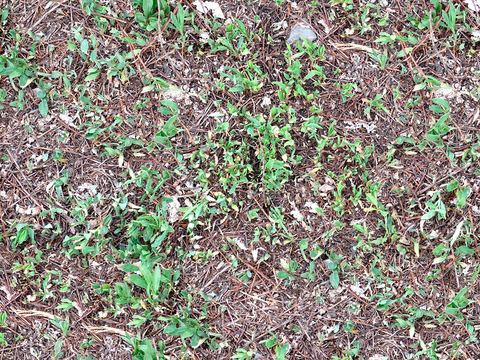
point(364, 181)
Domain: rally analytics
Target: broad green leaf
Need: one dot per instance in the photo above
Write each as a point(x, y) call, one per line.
point(93, 73)
point(462, 196)
point(146, 273)
point(465, 250)
point(147, 7)
point(148, 88)
point(429, 215)
point(43, 108)
point(237, 88)
point(139, 281)
point(156, 279)
point(84, 46)
point(4, 15)
point(402, 323)
point(439, 260)
point(437, 109)
point(129, 267)
point(195, 341)
point(281, 351)
point(456, 234)
point(187, 332)
point(335, 279)
point(171, 104)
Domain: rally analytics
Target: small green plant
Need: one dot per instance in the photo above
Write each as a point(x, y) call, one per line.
point(310, 274)
point(431, 17)
point(376, 104)
point(3, 319)
point(334, 265)
point(66, 305)
point(437, 208)
point(169, 128)
point(63, 325)
point(249, 80)
point(152, 228)
point(143, 348)
point(151, 12)
point(461, 192)
point(57, 353)
point(157, 283)
point(23, 233)
point(459, 302)
point(381, 58)
point(290, 266)
point(450, 20)
point(236, 40)
point(347, 90)
point(178, 21)
point(386, 38)
point(20, 104)
point(441, 128)
point(243, 354)
point(188, 328)
point(3, 342)
point(281, 350)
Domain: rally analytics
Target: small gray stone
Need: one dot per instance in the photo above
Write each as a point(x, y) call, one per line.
point(301, 30)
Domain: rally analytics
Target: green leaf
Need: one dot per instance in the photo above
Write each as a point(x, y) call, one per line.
point(170, 328)
point(129, 267)
point(176, 275)
point(43, 108)
point(92, 74)
point(303, 244)
point(457, 232)
point(147, 7)
point(237, 88)
point(171, 104)
point(335, 279)
point(138, 280)
point(4, 15)
point(72, 46)
point(148, 88)
point(442, 102)
point(439, 260)
point(419, 87)
point(465, 250)
point(437, 109)
point(128, 40)
point(178, 331)
point(403, 139)
point(195, 341)
point(281, 351)
point(12, 71)
point(93, 55)
point(156, 279)
point(429, 215)
point(84, 46)
point(462, 196)
point(41, 94)
point(147, 275)
point(332, 265)
point(282, 275)
point(452, 185)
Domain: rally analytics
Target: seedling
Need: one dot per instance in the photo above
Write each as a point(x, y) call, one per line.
point(63, 325)
point(381, 58)
point(290, 266)
point(243, 354)
point(23, 233)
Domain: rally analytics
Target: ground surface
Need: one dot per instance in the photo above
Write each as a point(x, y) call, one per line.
point(206, 191)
